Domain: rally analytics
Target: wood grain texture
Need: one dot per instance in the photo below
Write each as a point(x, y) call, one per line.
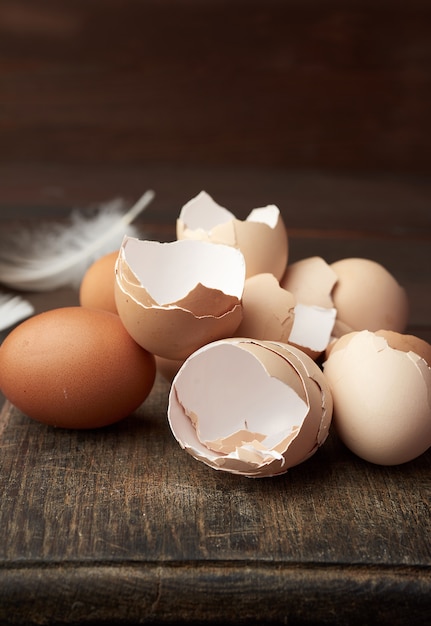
point(281, 83)
point(120, 525)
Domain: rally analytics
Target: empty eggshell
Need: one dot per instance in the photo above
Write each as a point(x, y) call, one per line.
point(381, 394)
point(250, 407)
point(367, 297)
point(175, 297)
point(261, 237)
point(268, 310)
point(311, 281)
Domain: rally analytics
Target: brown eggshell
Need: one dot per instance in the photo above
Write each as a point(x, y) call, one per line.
point(268, 310)
point(367, 297)
point(311, 280)
point(189, 294)
point(261, 237)
point(75, 367)
point(381, 394)
point(249, 407)
point(97, 286)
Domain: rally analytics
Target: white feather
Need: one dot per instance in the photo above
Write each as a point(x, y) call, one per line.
point(57, 255)
point(13, 309)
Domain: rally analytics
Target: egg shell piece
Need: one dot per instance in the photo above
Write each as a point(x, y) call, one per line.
point(311, 281)
point(261, 237)
point(368, 297)
point(75, 367)
point(169, 271)
point(97, 285)
point(315, 383)
point(312, 328)
point(382, 408)
point(190, 294)
point(268, 310)
point(234, 405)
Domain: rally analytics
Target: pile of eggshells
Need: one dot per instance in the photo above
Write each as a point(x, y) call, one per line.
point(262, 355)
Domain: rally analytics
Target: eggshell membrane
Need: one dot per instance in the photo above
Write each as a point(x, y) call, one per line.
point(189, 294)
point(97, 285)
point(268, 310)
point(75, 367)
point(262, 237)
point(238, 405)
point(367, 297)
point(382, 409)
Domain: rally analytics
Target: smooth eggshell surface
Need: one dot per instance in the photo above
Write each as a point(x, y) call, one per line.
point(381, 396)
point(75, 367)
point(367, 297)
point(97, 285)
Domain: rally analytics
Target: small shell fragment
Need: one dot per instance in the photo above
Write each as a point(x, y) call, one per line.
point(175, 297)
point(311, 281)
point(261, 237)
point(249, 407)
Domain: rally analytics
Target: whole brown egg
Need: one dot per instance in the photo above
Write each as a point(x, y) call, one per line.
point(75, 367)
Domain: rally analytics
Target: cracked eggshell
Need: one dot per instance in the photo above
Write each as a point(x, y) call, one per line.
point(249, 407)
point(367, 297)
point(175, 297)
point(261, 237)
point(268, 310)
point(381, 388)
point(311, 281)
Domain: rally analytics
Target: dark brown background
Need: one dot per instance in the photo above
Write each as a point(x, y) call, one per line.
point(281, 83)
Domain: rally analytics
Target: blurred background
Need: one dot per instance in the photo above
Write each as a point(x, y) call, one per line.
point(126, 95)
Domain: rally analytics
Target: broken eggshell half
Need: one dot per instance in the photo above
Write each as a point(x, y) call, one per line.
point(268, 310)
point(250, 407)
point(311, 281)
point(261, 237)
point(381, 387)
point(175, 297)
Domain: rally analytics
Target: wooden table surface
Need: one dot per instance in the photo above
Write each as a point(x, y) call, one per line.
point(119, 525)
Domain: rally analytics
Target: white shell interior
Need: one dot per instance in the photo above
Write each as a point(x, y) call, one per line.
point(227, 393)
point(203, 212)
point(312, 326)
point(265, 215)
point(169, 271)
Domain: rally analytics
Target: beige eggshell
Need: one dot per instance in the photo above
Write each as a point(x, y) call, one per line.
point(381, 397)
point(268, 310)
point(367, 297)
point(249, 407)
point(97, 285)
point(189, 294)
point(75, 367)
point(311, 280)
point(312, 328)
point(261, 237)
